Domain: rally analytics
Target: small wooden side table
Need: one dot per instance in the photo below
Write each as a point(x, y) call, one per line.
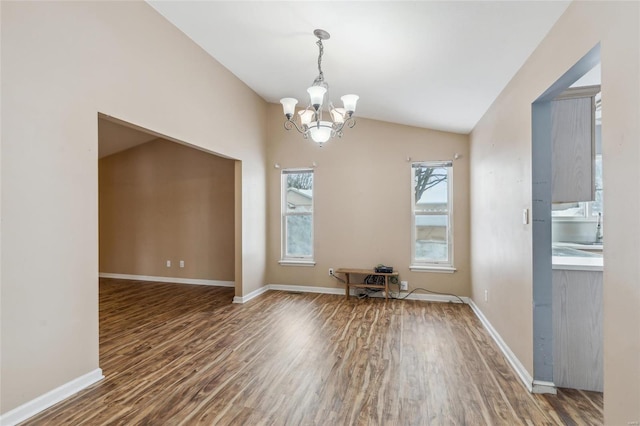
point(347, 272)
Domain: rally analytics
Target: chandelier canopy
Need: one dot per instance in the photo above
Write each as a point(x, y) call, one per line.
point(309, 120)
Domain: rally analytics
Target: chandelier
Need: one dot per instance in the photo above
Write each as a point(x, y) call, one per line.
point(309, 121)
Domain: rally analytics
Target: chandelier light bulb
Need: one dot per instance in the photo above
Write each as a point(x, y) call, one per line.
point(322, 132)
point(316, 93)
point(349, 102)
point(289, 106)
point(337, 115)
point(306, 117)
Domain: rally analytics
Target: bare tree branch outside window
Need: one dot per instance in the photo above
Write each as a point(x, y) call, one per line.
point(428, 177)
point(300, 180)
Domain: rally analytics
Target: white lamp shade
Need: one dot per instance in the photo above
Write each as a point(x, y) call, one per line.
point(337, 115)
point(288, 105)
point(322, 133)
point(316, 93)
point(349, 102)
point(306, 116)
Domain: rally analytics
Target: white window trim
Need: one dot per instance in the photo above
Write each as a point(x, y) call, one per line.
point(291, 262)
point(433, 266)
point(440, 269)
point(575, 219)
point(294, 260)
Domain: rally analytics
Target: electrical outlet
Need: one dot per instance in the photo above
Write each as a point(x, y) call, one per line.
point(182, 263)
point(331, 271)
point(486, 295)
point(168, 264)
point(404, 285)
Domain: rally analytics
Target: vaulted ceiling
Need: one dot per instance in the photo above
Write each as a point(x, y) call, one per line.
point(434, 64)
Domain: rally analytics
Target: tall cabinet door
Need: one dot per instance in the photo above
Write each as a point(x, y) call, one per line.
point(573, 146)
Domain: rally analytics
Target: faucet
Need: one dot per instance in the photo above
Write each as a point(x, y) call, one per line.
point(599, 229)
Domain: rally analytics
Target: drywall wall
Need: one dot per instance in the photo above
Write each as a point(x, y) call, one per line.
point(62, 64)
point(501, 188)
point(362, 200)
point(163, 201)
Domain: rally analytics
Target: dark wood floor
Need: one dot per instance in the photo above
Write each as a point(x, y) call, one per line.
point(182, 355)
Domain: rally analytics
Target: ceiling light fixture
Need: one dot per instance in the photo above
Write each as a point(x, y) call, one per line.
point(310, 119)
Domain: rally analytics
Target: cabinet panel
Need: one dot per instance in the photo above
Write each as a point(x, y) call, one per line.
point(573, 149)
point(577, 330)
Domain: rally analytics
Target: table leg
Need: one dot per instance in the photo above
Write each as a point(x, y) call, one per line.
point(346, 286)
point(386, 286)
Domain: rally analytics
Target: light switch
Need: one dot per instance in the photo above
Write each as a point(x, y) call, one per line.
point(525, 216)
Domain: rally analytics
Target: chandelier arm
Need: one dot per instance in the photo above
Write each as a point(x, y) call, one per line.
point(350, 122)
point(290, 124)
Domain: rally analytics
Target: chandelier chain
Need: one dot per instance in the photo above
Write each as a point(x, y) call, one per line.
point(321, 51)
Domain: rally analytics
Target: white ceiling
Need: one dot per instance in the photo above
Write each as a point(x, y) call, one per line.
point(434, 64)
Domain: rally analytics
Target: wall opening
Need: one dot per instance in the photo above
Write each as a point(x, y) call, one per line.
point(543, 345)
point(166, 209)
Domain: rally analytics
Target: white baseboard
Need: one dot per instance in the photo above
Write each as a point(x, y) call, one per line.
point(340, 291)
point(430, 297)
point(252, 295)
point(172, 280)
point(517, 366)
point(35, 406)
point(305, 289)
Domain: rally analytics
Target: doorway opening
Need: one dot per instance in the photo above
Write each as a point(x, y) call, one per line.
point(552, 301)
point(166, 210)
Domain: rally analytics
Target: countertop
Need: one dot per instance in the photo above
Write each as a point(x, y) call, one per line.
point(580, 246)
point(577, 257)
point(577, 263)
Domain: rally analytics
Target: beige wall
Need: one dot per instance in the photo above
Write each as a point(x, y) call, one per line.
point(163, 201)
point(62, 64)
point(362, 200)
point(501, 188)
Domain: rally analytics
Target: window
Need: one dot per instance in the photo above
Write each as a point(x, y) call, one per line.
point(297, 216)
point(432, 230)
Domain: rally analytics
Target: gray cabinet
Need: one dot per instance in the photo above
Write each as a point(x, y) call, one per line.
point(573, 145)
point(577, 330)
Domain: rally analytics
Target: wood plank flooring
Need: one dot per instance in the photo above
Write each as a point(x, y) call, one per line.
point(184, 355)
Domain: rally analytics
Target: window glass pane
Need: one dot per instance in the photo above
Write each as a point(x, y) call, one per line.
point(568, 210)
point(432, 213)
point(298, 235)
point(596, 205)
point(431, 189)
point(299, 192)
point(431, 237)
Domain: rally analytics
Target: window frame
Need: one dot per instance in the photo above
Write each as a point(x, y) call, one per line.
point(433, 265)
point(295, 260)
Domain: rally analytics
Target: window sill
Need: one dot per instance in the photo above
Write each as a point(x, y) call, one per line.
point(291, 262)
point(432, 268)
